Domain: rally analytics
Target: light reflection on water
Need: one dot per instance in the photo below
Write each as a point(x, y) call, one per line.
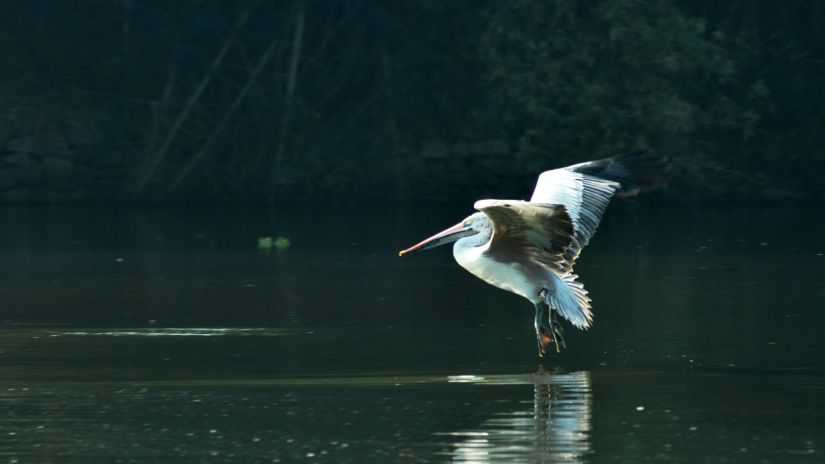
point(179, 332)
point(555, 426)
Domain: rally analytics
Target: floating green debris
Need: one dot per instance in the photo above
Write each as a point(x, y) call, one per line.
point(280, 243)
point(264, 243)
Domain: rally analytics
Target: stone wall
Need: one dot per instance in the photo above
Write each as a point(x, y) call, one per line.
point(44, 161)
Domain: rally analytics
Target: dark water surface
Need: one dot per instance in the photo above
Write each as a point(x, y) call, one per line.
point(166, 336)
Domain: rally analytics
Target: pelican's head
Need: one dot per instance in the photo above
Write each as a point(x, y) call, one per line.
point(471, 225)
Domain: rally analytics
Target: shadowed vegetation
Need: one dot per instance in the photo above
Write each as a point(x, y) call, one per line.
point(361, 100)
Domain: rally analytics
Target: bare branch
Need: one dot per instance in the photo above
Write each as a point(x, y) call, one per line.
point(207, 145)
point(300, 17)
point(190, 104)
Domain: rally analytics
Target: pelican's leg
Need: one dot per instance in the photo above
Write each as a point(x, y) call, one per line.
point(551, 328)
point(539, 324)
point(558, 331)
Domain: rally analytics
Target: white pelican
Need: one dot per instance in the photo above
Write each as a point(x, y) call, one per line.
point(529, 247)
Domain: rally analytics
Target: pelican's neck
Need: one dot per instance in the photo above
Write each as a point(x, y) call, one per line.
point(469, 248)
point(480, 239)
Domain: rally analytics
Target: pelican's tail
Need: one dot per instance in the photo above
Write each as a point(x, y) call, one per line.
point(570, 300)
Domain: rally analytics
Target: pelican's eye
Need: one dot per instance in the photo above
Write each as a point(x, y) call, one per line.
point(468, 222)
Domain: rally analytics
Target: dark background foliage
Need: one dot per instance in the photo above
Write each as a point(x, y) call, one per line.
point(362, 100)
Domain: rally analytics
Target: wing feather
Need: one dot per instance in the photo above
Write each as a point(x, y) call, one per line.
point(585, 198)
point(537, 231)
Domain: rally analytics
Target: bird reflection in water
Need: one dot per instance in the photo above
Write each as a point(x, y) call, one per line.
point(555, 429)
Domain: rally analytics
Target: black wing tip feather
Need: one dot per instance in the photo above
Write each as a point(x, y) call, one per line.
point(637, 172)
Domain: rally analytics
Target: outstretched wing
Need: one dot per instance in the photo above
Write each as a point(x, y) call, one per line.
point(524, 230)
point(585, 189)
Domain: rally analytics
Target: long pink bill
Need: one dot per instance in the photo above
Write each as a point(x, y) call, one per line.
point(447, 236)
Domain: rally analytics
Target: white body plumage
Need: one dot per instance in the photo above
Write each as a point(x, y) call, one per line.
point(471, 256)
